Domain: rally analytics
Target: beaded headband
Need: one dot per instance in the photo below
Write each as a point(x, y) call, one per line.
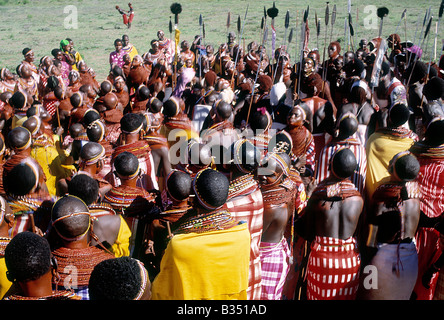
point(102, 128)
point(27, 144)
point(304, 115)
point(25, 102)
point(237, 160)
point(144, 275)
point(19, 70)
point(137, 130)
point(81, 97)
point(35, 169)
point(131, 176)
point(119, 79)
point(73, 214)
point(345, 116)
point(2, 73)
point(198, 196)
point(282, 164)
point(94, 159)
point(37, 127)
point(69, 216)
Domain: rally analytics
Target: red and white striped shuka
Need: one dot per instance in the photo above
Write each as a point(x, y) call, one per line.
point(358, 176)
point(333, 269)
point(248, 206)
point(431, 182)
point(275, 267)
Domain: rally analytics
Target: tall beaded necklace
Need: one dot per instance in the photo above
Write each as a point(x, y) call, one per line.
point(219, 220)
point(240, 184)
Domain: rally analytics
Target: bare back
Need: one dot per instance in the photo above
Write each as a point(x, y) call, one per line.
point(336, 219)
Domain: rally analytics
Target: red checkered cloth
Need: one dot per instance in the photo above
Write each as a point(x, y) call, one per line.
point(248, 206)
point(275, 266)
point(333, 269)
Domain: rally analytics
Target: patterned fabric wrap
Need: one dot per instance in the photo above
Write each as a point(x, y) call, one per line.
point(333, 269)
point(431, 182)
point(248, 206)
point(275, 267)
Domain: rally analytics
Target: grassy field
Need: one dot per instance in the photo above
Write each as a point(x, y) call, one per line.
point(40, 24)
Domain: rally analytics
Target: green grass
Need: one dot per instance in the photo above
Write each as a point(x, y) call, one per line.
point(39, 24)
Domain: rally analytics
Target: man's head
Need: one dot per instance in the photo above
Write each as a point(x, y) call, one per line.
point(70, 218)
point(27, 257)
point(92, 153)
point(274, 168)
point(404, 166)
point(296, 117)
point(28, 54)
point(154, 105)
point(434, 134)
point(343, 163)
point(210, 189)
point(96, 131)
point(131, 123)
point(19, 138)
point(84, 187)
point(22, 179)
point(19, 100)
point(118, 279)
point(347, 125)
point(334, 49)
point(126, 165)
point(178, 185)
point(125, 40)
point(398, 115)
point(244, 156)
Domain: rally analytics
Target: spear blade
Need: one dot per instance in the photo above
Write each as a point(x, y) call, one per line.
point(333, 16)
point(287, 19)
point(290, 36)
point(327, 14)
point(228, 20)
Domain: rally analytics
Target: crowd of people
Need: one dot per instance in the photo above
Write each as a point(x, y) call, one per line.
point(227, 172)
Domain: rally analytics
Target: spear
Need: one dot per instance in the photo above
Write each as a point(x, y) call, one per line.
point(228, 21)
point(324, 69)
point(349, 22)
point(441, 11)
point(273, 13)
point(198, 50)
point(382, 12)
point(333, 20)
point(426, 33)
point(239, 22)
point(237, 53)
point(287, 24)
point(400, 20)
point(257, 75)
point(352, 33)
point(303, 30)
